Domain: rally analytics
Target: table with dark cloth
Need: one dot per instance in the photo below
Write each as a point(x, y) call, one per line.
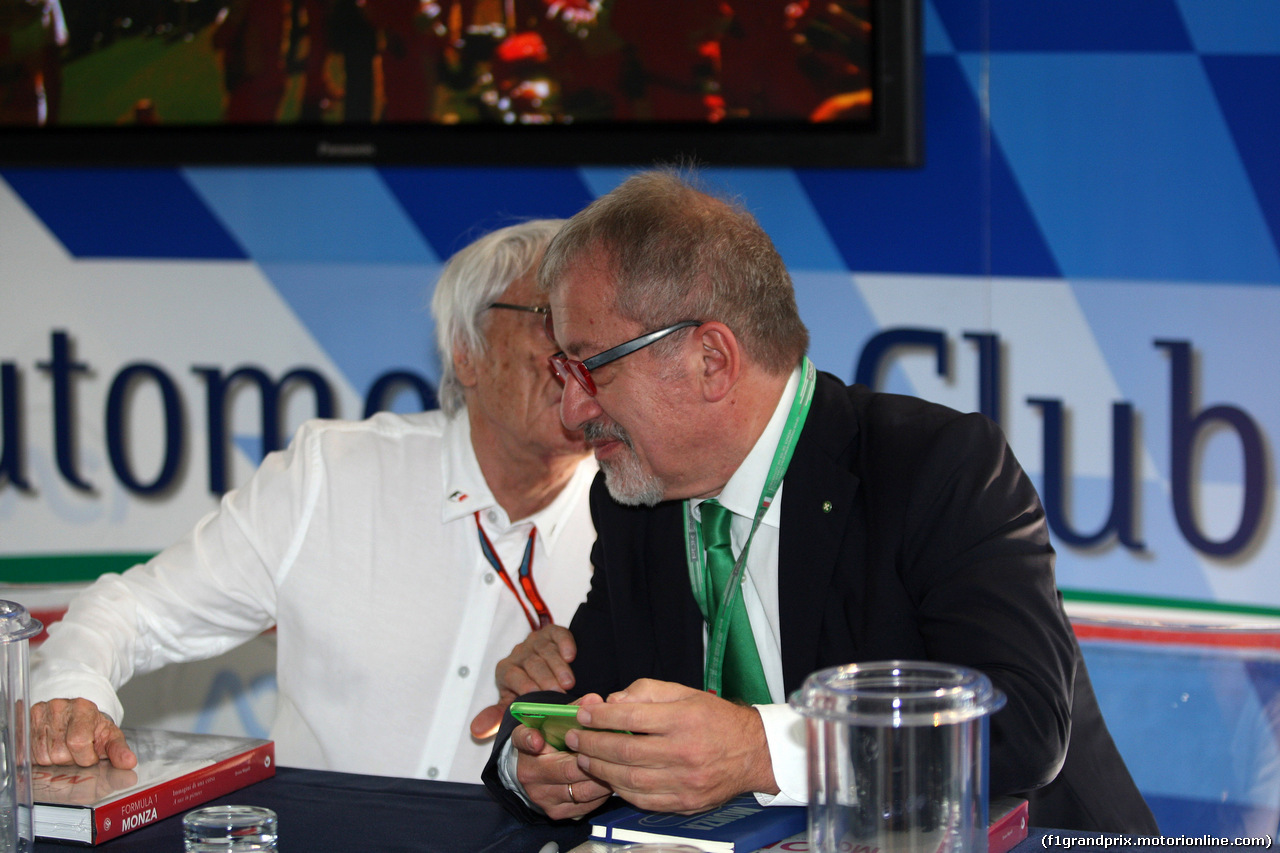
point(321, 812)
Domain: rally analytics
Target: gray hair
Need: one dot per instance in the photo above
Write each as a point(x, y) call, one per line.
point(474, 277)
point(677, 253)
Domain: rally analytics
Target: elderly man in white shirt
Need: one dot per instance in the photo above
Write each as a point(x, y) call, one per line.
point(399, 558)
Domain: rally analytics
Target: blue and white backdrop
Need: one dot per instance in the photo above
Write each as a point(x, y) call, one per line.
point(1090, 255)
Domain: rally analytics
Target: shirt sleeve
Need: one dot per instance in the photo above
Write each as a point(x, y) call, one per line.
point(209, 592)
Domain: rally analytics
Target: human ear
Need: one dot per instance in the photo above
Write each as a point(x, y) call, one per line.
point(721, 360)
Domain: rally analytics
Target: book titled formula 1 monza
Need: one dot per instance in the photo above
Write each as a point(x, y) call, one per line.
point(176, 771)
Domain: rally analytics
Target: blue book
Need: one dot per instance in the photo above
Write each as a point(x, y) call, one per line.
point(739, 826)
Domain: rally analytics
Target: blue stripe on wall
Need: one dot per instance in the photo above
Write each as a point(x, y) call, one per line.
point(124, 213)
point(964, 22)
point(936, 38)
point(1115, 153)
point(932, 219)
point(1080, 26)
point(368, 318)
point(329, 214)
point(452, 207)
point(1248, 91)
point(1217, 26)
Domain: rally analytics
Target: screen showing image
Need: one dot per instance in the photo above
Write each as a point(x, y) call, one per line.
point(363, 64)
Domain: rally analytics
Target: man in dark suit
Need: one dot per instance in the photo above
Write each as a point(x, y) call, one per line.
point(902, 530)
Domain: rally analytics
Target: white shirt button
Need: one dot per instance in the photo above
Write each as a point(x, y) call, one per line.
point(432, 772)
point(464, 671)
point(488, 577)
point(493, 517)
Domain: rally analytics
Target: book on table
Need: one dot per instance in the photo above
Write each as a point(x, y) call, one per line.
point(176, 771)
point(1006, 827)
point(739, 826)
point(1006, 823)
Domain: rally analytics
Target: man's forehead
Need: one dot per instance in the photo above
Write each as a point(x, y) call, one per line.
point(584, 307)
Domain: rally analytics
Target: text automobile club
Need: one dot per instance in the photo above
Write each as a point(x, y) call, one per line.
point(56, 382)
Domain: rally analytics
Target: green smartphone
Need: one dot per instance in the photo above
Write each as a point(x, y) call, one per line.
point(552, 720)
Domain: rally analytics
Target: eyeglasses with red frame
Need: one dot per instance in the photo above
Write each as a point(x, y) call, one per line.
point(581, 370)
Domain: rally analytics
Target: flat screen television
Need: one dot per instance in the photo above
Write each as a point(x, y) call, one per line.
point(768, 82)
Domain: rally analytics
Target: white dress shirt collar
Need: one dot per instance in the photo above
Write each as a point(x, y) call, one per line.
point(466, 491)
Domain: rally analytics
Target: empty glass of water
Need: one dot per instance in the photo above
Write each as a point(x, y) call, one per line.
point(229, 829)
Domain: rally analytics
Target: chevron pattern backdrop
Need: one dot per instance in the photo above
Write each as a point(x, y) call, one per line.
point(1090, 254)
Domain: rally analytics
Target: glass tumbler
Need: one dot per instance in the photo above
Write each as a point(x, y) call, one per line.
point(229, 829)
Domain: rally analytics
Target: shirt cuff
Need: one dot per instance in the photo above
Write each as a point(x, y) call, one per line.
point(507, 758)
point(73, 682)
point(784, 731)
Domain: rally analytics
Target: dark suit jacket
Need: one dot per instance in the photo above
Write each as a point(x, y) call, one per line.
point(908, 531)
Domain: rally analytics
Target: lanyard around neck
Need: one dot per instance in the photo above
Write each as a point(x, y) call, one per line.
point(525, 574)
point(693, 533)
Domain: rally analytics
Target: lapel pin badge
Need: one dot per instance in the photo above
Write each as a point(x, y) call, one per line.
point(826, 506)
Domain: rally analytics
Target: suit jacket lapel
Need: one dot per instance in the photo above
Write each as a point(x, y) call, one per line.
point(819, 526)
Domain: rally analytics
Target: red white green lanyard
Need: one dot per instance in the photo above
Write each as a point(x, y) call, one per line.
point(698, 577)
point(526, 578)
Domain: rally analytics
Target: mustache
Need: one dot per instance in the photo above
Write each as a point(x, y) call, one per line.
point(595, 431)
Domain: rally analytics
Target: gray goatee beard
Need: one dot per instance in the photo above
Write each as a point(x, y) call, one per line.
point(625, 478)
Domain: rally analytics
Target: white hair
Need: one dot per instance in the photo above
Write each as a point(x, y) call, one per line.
point(473, 278)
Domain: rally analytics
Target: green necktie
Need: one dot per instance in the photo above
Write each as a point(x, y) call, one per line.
point(742, 676)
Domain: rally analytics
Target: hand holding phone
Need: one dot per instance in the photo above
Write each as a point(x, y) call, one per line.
point(554, 721)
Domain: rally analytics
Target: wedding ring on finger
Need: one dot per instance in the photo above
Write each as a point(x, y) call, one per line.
point(572, 798)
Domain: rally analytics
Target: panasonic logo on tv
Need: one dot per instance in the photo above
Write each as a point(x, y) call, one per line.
point(346, 149)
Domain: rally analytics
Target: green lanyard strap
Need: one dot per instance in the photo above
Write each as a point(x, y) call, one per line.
point(693, 534)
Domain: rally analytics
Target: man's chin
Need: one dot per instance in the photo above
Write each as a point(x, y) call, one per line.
point(648, 493)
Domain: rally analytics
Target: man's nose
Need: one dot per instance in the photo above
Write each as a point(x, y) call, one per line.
point(577, 407)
